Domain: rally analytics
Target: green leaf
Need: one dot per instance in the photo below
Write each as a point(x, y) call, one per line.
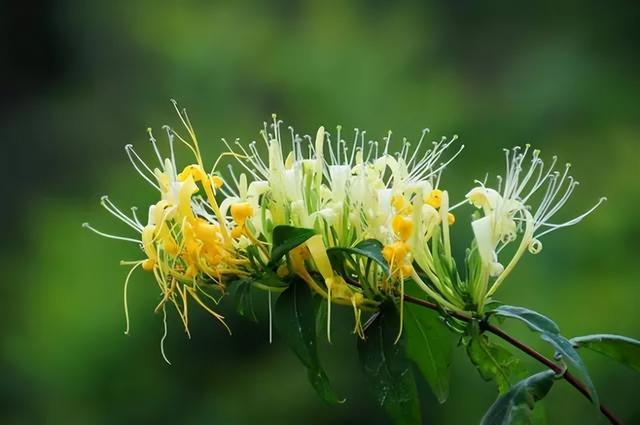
point(550, 333)
point(285, 238)
point(620, 348)
point(244, 300)
point(429, 345)
point(295, 320)
point(388, 370)
point(492, 361)
point(534, 320)
point(516, 405)
point(473, 263)
point(370, 248)
point(270, 279)
point(565, 348)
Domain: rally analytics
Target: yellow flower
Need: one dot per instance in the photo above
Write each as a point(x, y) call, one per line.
point(208, 228)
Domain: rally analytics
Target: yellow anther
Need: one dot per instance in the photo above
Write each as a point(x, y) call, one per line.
point(148, 264)
point(217, 181)
point(241, 211)
point(435, 198)
point(402, 226)
point(451, 218)
point(357, 299)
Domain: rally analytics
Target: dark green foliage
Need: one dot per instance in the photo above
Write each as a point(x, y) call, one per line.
point(550, 333)
point(533, 319)
point(295, 320)
point(285, 238)
point(370, 248)
point(242, 291)
point(429, 345)
point(492, 361)
point(387, 369)
point(362, 263)
point(620, 348)
point(515, 407)
point(243, 299)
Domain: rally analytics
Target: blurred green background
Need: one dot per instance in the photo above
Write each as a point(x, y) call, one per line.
point(82, 79)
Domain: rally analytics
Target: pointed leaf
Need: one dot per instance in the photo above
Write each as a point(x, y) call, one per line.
point(295, 314)
point(429, 345)
point(533, 319)
point(564, 347)
point(492, 361)
point(550, 333)
point(285, 238)
point(370, 248)
point(388, 370)
point(270, 279)
point(244, 300)
point(516, 405)
point(621, 348)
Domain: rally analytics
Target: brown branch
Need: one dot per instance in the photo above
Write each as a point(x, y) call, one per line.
point(566, 375)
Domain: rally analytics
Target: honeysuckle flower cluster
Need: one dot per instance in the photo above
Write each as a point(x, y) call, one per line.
point(210, 226)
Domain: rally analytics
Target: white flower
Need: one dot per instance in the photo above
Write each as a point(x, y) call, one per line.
point(507, 210)
point(332, 182)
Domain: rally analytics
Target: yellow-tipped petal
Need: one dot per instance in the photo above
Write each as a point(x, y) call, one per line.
point(318, 252)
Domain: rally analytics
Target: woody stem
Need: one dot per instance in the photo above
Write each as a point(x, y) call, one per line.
point(560, 371)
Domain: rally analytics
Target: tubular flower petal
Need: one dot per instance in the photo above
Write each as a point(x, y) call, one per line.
point(509, 214)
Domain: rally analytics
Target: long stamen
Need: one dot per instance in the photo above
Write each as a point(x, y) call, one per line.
point(386, 140)
point(107, 235)
point(573, 221)
point(134, 213)
point(237, 156)
point(560, 203)
point(425, 174)
point(164, 335)
point(170, 137)
point(425, 131)
point(155, 146)
point(111, 207)
point(125, 293)
point(133, 156)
